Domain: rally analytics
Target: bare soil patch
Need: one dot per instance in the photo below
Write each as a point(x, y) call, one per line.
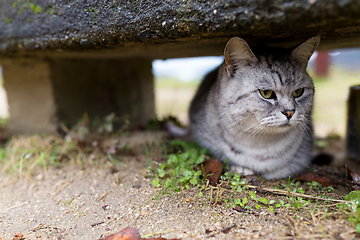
point(91, 202)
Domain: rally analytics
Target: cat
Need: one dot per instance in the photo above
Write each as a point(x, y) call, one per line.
point(255, 109)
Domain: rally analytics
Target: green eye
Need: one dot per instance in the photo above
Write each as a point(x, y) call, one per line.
point(267, 93)
point(298, 92)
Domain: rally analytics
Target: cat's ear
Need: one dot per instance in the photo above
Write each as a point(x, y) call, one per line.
point(237, 52)
point(303, 52)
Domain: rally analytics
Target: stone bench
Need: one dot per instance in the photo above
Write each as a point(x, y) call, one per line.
point(63, 58)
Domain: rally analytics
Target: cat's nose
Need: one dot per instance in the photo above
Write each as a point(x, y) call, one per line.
point(288, 113)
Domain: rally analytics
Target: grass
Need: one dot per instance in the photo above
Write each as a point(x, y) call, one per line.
point(303, 200)
point(22, 155)
point(179, 174)
point(179, 169)
point(84, 145)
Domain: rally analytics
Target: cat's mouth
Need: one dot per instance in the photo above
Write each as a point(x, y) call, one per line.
point(285, 125)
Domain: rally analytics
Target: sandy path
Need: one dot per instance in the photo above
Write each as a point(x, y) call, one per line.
point(71, 204)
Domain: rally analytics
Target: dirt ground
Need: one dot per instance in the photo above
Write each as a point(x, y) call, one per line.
point(90, 203)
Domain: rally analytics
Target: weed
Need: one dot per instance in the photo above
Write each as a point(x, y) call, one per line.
point(23, 5)
point(216, 217)
point(241, 203)
point(179, 168)
point(298, 203)
point(236, 182)
point(291, 186)
point(317, 187)
point(282, 204)
point(353, 208)
point(9, 20)
point(70, 205)
point(2, 155)
point(51, 10)
point(82, 145)
point(36, 8)
point(263, 201)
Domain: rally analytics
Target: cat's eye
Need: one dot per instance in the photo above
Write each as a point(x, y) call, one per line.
point(298, 92)
point(268, 94)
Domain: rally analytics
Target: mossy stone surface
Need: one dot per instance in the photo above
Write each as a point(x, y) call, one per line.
point(32, 25)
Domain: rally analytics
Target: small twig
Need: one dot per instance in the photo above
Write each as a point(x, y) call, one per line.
point(111, 220)
point(217, 195)
point(346, 233)
point(43, 226)
point(312, 236)
point(19, 205)
point(95, 224)
point(226, 230)
point(102, 196)
point(287, 193)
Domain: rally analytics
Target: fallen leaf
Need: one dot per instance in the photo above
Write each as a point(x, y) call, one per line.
point(354, 175)
point(355, 186)
point(211, 168)
point(125, 234)
point(239, 209)
point(105, 207)
point(311, 177)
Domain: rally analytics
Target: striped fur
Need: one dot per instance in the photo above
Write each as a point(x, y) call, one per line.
point(230, 117)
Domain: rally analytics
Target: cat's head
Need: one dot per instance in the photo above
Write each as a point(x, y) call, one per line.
point(267, 88)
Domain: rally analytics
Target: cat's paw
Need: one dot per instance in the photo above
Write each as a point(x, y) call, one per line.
point(242, 170)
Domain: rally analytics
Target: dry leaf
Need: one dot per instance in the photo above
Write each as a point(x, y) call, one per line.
point(239, 209)
point(356, 179)
point(311, 177)
point(212, 169)
point(354, 175)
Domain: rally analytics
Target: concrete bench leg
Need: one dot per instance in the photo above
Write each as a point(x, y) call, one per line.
point(30, 96)
point(43, 93)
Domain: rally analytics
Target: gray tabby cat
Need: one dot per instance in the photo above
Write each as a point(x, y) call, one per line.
point(255, 109)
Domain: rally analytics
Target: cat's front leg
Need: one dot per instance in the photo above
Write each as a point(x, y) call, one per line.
point(242, 170)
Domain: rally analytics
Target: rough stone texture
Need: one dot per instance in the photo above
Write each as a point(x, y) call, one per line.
point(100, 87)
point(30, 96)
point(30, 25)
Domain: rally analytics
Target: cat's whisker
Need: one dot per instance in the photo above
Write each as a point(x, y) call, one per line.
point(257, 129)
point(265, 129)
point(307, 130)
point(252, 126)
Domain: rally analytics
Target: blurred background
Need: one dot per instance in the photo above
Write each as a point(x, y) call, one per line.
point(333, 73)
point(176, 81)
